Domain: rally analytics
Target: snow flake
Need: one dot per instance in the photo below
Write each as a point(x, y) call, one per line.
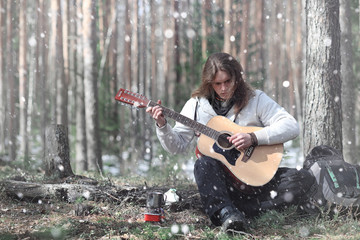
point(157, 32)
point(327, 42)
point(86, 194)
point(286, 83)
point(169, 33)
point(273, 194)
point(304, 232)
point(61, 167)
point(288, 197)
point(183, 15)
point(56, 232)
point(185, 229)
point(190, 33)
point(136, 104)
point(32, 41)
point(175, 229)
point(176, 167)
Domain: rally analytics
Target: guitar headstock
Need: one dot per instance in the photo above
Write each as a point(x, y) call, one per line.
point(128, 97)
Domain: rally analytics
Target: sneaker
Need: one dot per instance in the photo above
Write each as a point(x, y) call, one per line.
point(232, 219)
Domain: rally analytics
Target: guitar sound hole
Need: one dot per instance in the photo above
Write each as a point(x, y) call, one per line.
point(223, 142)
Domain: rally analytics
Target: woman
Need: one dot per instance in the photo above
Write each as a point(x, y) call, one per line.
point(224, 92)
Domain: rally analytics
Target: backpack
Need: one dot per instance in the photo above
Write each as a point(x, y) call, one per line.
point(337, 182)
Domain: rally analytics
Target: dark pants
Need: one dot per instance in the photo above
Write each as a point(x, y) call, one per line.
point(217, 189)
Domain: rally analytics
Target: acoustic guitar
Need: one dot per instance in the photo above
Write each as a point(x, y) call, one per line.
point(254, 166)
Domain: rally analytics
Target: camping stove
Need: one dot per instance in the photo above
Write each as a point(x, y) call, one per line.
point(154, 204)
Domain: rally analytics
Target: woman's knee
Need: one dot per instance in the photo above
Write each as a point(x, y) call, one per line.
point(206, 163)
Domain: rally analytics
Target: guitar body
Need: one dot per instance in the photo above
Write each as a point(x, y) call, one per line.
point(255, 170)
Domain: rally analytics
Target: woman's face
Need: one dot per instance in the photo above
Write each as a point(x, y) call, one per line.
point(223, 85)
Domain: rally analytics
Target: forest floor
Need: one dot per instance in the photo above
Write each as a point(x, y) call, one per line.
point(122, 217)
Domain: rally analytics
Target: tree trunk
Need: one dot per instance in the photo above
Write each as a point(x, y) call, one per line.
point(322, 123)
point(259, 39)
point(61, 85)
point(72, 64)
point(244, 46)
point(127, 46)
point(52, 53)
point(90, 86)
point(41, 89)
point(205, 12)
point(57, 157)
point(272, 41)
point(227, 26)
point(177, 63)
point(349, 95)
point(80, 145)
point(2, 85)
point(23, 91)
point(65, 81)
point(121, 81)
point(11, 115)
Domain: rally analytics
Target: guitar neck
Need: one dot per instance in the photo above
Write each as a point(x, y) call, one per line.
point(201, 128)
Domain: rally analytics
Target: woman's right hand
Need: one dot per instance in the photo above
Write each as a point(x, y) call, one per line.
point(156, 113)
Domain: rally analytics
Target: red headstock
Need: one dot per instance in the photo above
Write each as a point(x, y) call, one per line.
point(135, 99)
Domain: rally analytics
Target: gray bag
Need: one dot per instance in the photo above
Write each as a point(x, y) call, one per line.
point(337, 182)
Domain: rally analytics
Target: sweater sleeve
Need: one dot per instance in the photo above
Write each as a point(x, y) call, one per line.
point(279, 125)
point(176, 139)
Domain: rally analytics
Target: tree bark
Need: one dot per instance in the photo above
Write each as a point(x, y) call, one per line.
point(61, 84)
point(227, 26)
point(41, 90)
point(2, 85)
point(11, 115)
point(23, 83)
point(349, 95)
point(90, 86)
point(57, 156)
point(244, 46)
point(80, 145)
point(205, 13)
point(65, 80)
point(322, 123)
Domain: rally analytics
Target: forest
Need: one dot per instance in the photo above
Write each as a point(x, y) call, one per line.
point(63, 61)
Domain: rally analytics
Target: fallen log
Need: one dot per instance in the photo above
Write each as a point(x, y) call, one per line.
point(64, 191)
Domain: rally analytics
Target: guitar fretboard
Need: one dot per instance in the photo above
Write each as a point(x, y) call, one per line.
point(201, 128)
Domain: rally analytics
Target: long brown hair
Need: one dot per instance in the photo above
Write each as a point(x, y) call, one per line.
point(225, 62)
